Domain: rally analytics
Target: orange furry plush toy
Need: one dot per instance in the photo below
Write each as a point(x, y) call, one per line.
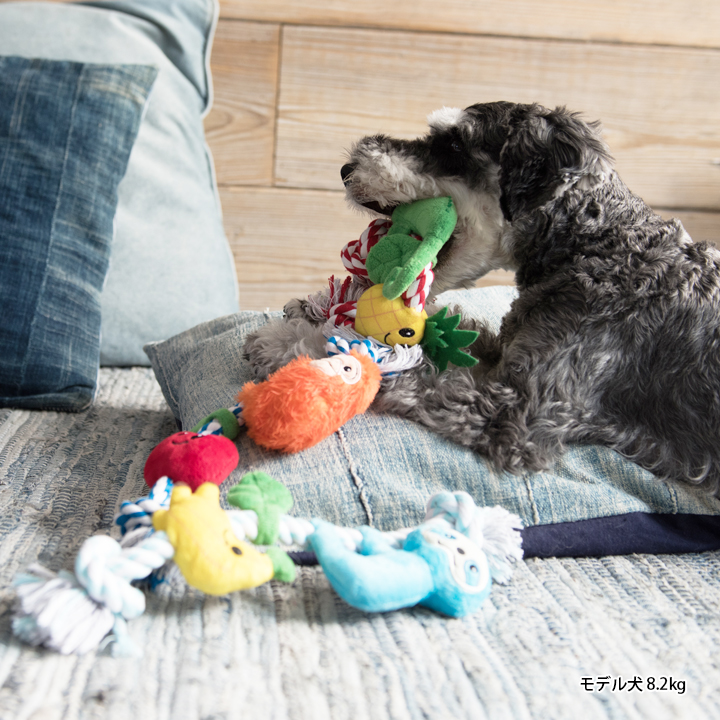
point(307, 400)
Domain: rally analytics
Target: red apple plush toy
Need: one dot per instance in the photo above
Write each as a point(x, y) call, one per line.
point(192, 459)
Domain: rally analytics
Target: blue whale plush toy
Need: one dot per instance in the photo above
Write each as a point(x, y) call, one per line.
point(436, 566)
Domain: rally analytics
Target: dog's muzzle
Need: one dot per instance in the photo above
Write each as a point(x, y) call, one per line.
point(346, 172)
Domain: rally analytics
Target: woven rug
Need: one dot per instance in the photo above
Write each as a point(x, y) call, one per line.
point(616, 637)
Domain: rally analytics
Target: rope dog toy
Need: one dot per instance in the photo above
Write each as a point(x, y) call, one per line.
point(447, 563)
point(370, 334)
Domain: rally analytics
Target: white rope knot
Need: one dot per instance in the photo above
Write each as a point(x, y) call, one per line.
point(72, 613)
point(106, 570)
point(53, 610)
point(458, 509)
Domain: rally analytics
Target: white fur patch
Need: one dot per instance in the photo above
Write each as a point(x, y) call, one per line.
point(389, 177)
point(445, 118)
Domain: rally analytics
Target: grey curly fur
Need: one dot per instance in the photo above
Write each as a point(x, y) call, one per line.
point(615, 336)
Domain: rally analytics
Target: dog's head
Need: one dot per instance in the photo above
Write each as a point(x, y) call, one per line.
point(498, 161)
point(544, 153)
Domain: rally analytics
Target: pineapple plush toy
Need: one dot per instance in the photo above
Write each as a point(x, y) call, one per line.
point(389, 321)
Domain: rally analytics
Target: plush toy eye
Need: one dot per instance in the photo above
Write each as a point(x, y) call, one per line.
point(472, 573)
point(347, 367)
point(236, 550)
point(406, 332)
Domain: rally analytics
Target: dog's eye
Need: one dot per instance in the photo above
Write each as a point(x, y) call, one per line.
point(455, 146)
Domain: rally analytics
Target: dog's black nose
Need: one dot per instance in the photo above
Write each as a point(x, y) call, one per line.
point(346, 171)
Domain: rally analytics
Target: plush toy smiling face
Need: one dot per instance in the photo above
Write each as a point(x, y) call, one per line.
point(459, 568)
point(388, 321)
point(466, 561)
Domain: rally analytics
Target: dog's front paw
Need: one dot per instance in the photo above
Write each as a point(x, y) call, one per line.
point(281, 341)
point(259, 352)
point(296, 309)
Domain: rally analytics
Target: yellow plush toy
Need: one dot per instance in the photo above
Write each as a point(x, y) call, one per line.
point(388, 321)
point(207, 551)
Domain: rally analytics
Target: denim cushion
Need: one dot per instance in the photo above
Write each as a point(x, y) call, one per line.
point(381, 469)
point(171, 266)
point(66, 131)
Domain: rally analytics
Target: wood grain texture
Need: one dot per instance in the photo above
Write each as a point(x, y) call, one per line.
point(671, 22)
point(702, 226)
point(287, 242)
point(240, 128)
point(659, 105)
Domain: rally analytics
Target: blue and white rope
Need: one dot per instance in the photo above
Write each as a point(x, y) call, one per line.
point(214, 427)
point(337, 345)
point(391, 361)
point(138, 513)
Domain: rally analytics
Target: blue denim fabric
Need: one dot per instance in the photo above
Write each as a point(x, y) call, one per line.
point(66, 131)
point(381, 470)
point(171, 266)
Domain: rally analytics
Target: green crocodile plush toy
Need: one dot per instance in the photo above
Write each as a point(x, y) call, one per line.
point(398, 258)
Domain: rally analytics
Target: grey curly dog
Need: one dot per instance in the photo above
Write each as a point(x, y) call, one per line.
point(615, 336)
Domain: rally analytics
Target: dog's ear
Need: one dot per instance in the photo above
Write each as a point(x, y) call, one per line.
point(546, 152)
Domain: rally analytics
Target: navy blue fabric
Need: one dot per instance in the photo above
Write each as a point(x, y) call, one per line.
point(624, 535)
point(66, 132)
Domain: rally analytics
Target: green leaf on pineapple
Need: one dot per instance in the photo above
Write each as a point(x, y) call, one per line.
point(442, 341)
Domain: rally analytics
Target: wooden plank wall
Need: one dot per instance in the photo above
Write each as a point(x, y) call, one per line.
point(297, 82)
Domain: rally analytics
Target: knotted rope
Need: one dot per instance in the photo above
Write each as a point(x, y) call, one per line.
point(354, 254)
point(73, 613)
point(491, 528)
point(339, 305)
